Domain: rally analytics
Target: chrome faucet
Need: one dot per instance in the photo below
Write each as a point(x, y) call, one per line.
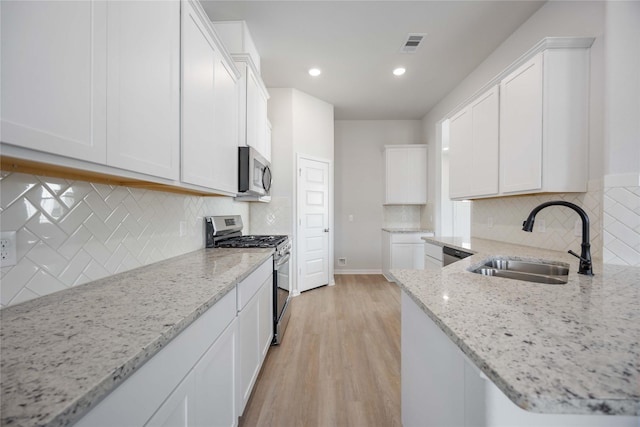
point(585, 255)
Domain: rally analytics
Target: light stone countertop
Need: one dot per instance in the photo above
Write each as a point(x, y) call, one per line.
point(62, 353)
point(572, 348)
point(406, 230)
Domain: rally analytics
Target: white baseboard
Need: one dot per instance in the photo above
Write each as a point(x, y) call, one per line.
point(357, 272)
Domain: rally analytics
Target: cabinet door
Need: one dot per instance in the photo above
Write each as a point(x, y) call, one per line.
point(249, 360)
point(198, 99)
point(215, 380)
point(386, 254)
point(485, 148)
point(396, 176)
point(225, 120)
point(256, 115)
point(402, 255)
point(143, 83)
point(521, 128)
point(473, 153)
point(460, 154)
point(405, 175)
point(178, 409)
point(417, 171)
point(62, 110)
point(265, 317)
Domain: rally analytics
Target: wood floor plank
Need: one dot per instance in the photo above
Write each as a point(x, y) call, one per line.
point(339, 363)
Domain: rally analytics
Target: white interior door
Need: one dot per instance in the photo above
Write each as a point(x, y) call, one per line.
point(313, 224)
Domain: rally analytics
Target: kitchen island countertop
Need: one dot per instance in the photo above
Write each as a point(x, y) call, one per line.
point(62, 353)
point(572, 348)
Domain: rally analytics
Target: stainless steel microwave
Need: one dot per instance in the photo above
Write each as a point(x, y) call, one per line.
point(254, 173)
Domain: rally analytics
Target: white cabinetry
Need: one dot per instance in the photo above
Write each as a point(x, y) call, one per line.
point(538, 143)
point(432, 256)
point(255, 323)
point(209, 106)
point(405, 168)
point(143, 87)
point(54, 86)
point(196, 379)
point(402, 250)
point(473, 148)
point(441, 387)
point(253, 96)
point(544, 124)
point(100, 82)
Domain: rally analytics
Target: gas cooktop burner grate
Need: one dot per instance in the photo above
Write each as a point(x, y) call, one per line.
point(251, 242)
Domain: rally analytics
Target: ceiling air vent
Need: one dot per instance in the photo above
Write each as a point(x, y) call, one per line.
point(412, 43)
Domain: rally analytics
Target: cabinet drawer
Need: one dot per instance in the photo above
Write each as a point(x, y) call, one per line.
point(434, 251)
point(408, 237)
point(249, 286)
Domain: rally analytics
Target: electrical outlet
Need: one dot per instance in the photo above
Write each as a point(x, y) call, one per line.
point(490, 222)
point(183, 228)
point(7, 248)
point(542, 226)
point(350, 218)
point(342, 261)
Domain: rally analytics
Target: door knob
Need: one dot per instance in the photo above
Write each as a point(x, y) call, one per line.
point(326, 230)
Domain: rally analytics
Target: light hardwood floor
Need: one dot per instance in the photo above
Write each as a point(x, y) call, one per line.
point(339, 363)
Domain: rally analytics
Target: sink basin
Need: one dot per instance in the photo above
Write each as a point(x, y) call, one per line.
point(528, 267)
point(529, 271)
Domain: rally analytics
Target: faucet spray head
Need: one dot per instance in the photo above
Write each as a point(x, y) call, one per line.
point(527, 225)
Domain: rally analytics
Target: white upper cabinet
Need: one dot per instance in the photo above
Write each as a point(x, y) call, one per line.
point(253, 95)
point(405, 169)
point(521, 128)
point(209, 106)
point(54, 63)
point(535, 139)
point(544, 143)
point(473, 148)
point(143, 87)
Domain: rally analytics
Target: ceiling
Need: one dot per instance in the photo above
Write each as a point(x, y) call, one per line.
point(357, 44)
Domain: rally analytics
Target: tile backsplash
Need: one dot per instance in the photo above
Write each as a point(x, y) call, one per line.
point(73, 232)
point(622, 225)
point(501, 219)
point(401, 216)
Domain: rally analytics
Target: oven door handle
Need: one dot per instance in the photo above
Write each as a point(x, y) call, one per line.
point(283, 260)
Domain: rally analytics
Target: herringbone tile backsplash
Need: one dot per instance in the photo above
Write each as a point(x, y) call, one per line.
point(501, 219)
point(73, 232)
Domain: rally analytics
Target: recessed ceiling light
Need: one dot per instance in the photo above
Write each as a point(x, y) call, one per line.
point(399, 71)
point(315, 72)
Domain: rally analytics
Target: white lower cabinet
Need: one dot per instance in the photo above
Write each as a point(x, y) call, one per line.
point(441, 387)
point(432, 256)
point(402, 250)
point(255, 324)
point(197, 378)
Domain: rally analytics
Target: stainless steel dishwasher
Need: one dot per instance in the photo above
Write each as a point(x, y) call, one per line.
point(451, 255)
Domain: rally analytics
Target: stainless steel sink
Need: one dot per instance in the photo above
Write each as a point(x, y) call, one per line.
point(527, 270)
point(528, 267)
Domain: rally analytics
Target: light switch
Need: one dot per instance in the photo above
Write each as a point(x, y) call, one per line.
point(350, 218)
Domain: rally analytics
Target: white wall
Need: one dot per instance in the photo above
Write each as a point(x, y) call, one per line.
point(301, 125)
point(553, 19)
point(73, 232)
point(359, 192)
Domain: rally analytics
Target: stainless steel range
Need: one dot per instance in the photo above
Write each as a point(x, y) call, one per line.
point(226, 232)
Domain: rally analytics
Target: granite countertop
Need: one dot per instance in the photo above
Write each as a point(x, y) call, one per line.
point(406, 230)
point(572, 348)
point(64, 352)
